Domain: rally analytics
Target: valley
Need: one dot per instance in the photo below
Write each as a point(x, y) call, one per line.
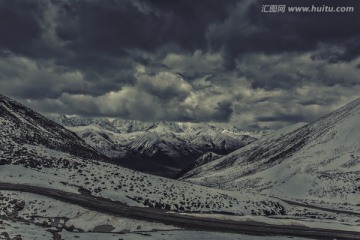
point(52, 180)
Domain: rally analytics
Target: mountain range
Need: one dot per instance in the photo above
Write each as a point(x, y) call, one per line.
point(159, 148)
point(38, 151)
point(305, 175)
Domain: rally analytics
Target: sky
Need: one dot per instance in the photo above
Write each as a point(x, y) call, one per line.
point(193, 61)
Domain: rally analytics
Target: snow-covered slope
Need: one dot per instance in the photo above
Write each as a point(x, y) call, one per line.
point(207, 161)
point(20, 126)
point(48, 212)
point(36, 151)
point(159, 148)
point(319, 161)
point(51, 162)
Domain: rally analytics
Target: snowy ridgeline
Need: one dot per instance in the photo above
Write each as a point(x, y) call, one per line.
point(160, 148)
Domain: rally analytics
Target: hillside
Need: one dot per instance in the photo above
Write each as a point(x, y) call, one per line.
point(319, 162)
point(22, 127)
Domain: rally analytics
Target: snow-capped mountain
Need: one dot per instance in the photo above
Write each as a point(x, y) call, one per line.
point(318, 161)
point(39, 154)
point(160, 148)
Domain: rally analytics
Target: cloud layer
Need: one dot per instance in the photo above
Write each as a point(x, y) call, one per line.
point(180, 60)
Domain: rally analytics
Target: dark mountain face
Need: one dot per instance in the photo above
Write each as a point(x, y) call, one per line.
point(21, 126)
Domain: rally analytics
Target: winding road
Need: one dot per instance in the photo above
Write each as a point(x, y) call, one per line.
point(184, 221)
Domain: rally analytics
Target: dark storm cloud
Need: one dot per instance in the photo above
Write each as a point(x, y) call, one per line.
point(291, 71)
point(351, 52)
point(97, 37)
point(174, 100)
point(180, 60)
point(249, 30)
point(112, 27)
point(20, 28)
point(224, 111)
point(283, 118)
point(92, 33)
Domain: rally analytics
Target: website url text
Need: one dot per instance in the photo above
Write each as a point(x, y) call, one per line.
point(312, 9)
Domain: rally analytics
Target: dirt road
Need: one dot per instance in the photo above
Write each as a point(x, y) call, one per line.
point(188, 222)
